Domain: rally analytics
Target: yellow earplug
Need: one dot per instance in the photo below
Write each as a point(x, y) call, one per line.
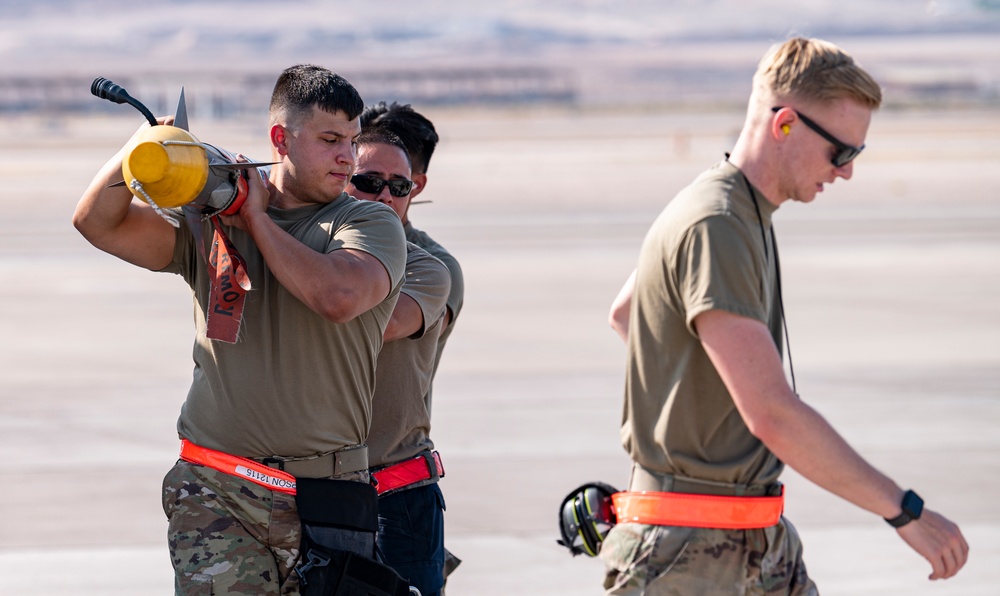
point(786, 129)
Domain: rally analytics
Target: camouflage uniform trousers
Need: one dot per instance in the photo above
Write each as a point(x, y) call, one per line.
point(227, 535)
point(667, 561)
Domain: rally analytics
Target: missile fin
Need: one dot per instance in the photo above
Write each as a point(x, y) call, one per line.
point(181, 116)
point(243, 165)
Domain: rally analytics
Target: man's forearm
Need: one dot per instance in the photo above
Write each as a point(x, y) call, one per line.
point(804, 440)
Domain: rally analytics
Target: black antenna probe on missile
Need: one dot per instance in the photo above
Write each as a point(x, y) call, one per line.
point(111, 91)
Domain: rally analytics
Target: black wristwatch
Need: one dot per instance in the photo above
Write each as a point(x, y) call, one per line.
point(912, 506)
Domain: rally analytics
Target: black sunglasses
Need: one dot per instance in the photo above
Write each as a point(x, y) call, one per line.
point(372, 184)
point(845, 153)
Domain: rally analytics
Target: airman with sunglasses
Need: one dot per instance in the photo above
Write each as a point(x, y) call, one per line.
point(708, 409)
point(405, 466)
point(420, 137)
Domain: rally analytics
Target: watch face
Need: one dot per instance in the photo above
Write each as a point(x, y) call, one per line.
point(912, 504)
point(912, 507)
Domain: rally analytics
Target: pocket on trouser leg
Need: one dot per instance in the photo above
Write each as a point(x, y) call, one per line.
point(210, 550)
point(710, 561)
point(411, 526)
point(782, 570)
point(618, 551)
point(192, 587)
point(635, 554)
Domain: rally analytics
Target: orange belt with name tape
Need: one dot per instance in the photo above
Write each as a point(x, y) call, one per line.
point(242, 467)
point(698, 511)
point(426, 466)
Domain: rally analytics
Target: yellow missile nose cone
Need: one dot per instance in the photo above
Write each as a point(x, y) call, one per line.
point(148, 162)
point(172, 175)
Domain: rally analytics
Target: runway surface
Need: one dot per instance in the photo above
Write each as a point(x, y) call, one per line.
point(891, 283)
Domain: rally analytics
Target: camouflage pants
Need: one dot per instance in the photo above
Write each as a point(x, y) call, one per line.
point(227, 535)
point(667, 561)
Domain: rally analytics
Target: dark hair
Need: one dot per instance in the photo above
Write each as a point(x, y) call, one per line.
point(415, 130)
point(377, 135)
point(303, 86)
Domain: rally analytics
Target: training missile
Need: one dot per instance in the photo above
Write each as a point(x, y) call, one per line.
point(168, 167)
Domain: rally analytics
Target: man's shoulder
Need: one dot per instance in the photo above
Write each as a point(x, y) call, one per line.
point(714, 201)
point(421, 238)
point(424, 241)
point(713, 191)
point(717, 193)
point(456, 277)
point(424, 269)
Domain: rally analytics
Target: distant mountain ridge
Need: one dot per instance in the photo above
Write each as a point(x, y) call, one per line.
point(446, 51)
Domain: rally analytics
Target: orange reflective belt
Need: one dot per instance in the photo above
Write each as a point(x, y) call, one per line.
point(238, 466)
point(411, 471)
point(698, 511)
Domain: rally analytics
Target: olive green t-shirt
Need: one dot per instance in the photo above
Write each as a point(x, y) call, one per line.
point(705, 251)
point(456, 295)
point(294, 384)
point(401, 416)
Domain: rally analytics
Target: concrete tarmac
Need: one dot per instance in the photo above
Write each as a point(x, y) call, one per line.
point(890, 284)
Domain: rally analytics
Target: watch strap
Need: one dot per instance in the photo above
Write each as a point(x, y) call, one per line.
point(912, 506)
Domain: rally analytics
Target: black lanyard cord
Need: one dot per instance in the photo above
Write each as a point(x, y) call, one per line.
point(777, 272)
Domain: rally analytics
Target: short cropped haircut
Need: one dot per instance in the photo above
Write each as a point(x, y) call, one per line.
point(377, 135)
point(415, 130)
point(815, 70)
point(303, 86)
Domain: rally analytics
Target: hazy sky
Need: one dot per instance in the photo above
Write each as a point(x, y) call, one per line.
point(57, 36)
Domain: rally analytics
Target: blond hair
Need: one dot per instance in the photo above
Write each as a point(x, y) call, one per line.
point(814, 70)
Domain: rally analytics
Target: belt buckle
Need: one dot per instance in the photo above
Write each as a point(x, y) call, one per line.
point(431, 465)
point(273, 462)
point(349, 459)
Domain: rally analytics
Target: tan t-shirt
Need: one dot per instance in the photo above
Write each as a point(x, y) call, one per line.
point(294, 384)
point(456, 296)
point(401, 417)
point(705, 251)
